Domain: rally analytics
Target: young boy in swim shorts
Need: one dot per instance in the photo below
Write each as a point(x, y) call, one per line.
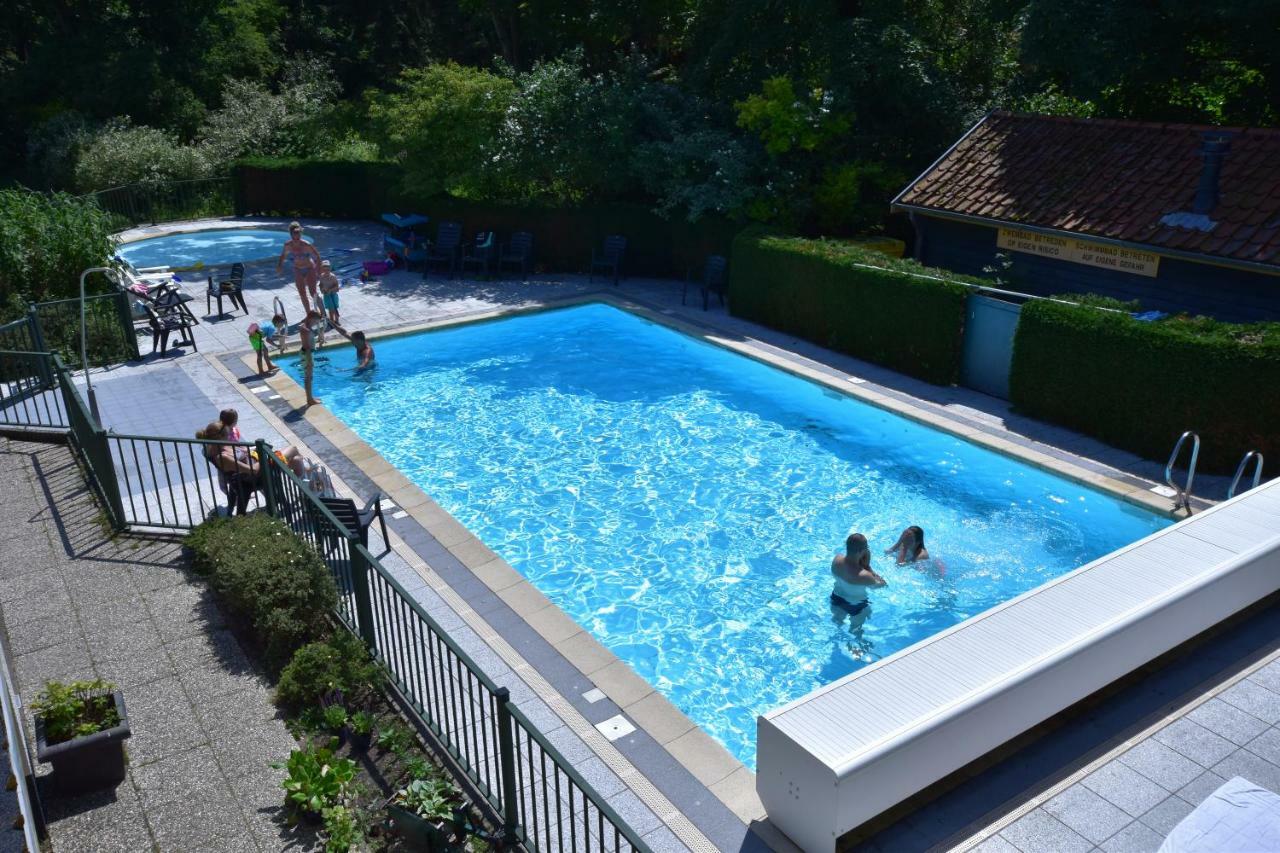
point(329, 286)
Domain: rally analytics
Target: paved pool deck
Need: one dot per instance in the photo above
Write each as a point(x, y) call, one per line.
point(77, 603)
point(676, 785)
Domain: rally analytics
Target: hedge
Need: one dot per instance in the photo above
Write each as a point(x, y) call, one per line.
point(563, 236)
point(891, 312)
point(1138, 385)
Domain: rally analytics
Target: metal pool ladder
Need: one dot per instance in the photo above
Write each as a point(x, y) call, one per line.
point(1182, 496)
point(1257, 472)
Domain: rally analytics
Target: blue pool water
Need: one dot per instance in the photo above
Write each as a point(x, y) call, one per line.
point(210, 248)
point(683, 503)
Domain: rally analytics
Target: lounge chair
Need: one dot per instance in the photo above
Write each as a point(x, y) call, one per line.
point(356, 520)
point(609, 258)
point(518, 250)
point(445, 248)
point(713, 280)
point(482, 254)
point(229, 288)
point(178, 320)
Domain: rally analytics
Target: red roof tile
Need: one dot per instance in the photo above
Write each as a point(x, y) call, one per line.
point(1112, 179)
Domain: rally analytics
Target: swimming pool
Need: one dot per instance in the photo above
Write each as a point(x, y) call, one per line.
point(208, 248)
point(683, 502)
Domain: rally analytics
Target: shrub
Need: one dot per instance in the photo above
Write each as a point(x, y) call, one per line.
point(340, 663)
point(1138, 385)
point(121, 154)
point(46, 241)
point(75, 710)
point(268, 578)
point(887, 311)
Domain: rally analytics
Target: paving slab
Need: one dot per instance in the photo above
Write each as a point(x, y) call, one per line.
point(204, 729)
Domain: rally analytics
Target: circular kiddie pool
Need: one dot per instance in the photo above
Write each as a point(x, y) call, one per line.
point(205, 248)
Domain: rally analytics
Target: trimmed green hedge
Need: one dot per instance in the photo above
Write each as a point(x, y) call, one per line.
point(1138, 385)
point(881, 309)
point(563, 236)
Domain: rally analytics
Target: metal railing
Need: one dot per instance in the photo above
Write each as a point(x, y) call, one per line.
point(109, 328)
point(149, 203)
point(14, 730)
point(89, 441)
point(541, 801)
point(29, 396)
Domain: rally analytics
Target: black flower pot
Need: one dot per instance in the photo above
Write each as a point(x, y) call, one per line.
point(360, 743)
point(418, 833)
point(89, 763)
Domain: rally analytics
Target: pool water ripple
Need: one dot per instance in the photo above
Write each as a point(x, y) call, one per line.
point(683, 503)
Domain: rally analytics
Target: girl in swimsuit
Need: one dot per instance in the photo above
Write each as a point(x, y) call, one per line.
point(306, 265)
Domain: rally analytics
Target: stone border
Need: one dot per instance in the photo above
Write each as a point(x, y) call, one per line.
point(704, 757)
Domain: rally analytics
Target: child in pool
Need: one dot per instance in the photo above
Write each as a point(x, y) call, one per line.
point(364, 351)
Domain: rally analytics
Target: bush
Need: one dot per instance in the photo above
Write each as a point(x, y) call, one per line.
point(271, 580)
point(121, 154)
point(341, 663)
point(1138, 385)
point(884, 310)
point(46, 241)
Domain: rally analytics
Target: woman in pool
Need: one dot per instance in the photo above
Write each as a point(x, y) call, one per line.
point(853, 574)
point(910, 546)
point(364, 351)
point(306, 265)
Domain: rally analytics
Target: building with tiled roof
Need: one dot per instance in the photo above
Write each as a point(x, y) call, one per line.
point(1179, 217)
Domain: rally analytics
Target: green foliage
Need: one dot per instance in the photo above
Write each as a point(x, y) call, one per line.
point(53, 146)
point(46, 241)
point(317, 779)
point(289, 122)
point(340, 663)
point(442, 123)
point(120, 153)
point(1138, 385)
point(431, 798)
point(395, 738)
point(335, 718)
point(267, 577)
point(342, 829)
point(887, 311)
point(361, 723)
point(108, 336)
point(786, 122)
point(75, 710)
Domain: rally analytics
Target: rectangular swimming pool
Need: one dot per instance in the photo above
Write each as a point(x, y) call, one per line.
point(683, 503)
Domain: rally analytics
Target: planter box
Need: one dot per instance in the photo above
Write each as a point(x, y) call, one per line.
point(418, 832)
point(88, 763)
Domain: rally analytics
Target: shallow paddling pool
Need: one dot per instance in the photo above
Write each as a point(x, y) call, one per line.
point(682, 502)
point(206, 248)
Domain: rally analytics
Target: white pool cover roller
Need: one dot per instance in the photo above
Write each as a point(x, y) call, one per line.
point(843, 754)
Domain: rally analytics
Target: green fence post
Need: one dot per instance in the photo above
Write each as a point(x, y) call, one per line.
point(507, 757)
point(125, 314)
point(364, 601)
point(37, 334)
point(105, 472)
point(268, 477)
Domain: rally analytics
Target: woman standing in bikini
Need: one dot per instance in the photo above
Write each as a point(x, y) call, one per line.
point(306, 265)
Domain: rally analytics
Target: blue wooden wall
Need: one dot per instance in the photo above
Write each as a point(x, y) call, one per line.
point(1227, 294)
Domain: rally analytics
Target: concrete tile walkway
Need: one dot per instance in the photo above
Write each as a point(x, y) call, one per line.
point(77, 604)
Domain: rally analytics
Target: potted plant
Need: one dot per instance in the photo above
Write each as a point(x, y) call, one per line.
point(335, 720)
point(422, 813)
point(361, 725)
point(80, 729)
point(316, 781)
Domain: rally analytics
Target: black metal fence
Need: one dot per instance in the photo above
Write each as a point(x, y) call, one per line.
point(149, 203)
point(156, 482)
point(110, 335)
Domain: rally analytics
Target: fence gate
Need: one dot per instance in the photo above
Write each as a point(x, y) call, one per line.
point(988, 344)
